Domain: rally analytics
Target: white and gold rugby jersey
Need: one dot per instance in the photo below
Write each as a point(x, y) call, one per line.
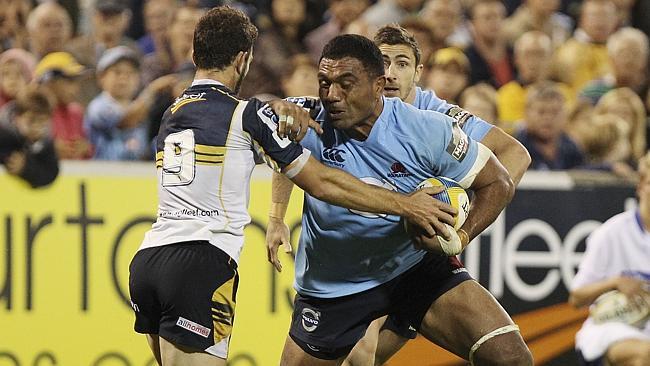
point(208, 144)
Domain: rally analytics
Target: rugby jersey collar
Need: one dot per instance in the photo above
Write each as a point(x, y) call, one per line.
point(206, 82)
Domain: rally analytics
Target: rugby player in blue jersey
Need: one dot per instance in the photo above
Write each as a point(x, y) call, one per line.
point(353, 267)
point(403, 68)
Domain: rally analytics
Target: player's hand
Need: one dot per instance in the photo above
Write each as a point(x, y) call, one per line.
point(430, 214)
point(277, 233)
point(438, 245)
point(632, 287)
point(293, 120)
point(16, 163)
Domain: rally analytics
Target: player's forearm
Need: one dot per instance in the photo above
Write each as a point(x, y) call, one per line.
point(586, 295)
point(339, 188)
point(487, 204)
point(510, 152)
point(281, 188)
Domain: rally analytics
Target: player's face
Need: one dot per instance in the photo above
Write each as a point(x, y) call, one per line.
point(349, 94)
point(402, 72)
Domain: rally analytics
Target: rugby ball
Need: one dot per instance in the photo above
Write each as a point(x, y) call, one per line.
point(453, 195)
point(614, 306)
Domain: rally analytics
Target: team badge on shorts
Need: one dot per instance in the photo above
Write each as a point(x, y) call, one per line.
point(310, 319)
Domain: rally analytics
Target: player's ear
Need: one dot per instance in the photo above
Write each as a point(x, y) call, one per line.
point(380, 82)
point(418, 73)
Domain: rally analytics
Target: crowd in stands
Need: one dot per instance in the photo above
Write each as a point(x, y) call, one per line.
point(568, 78)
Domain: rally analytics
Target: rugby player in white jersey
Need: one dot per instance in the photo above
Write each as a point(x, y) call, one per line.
point(617, 258)
point(369, 266)
point(183, 279)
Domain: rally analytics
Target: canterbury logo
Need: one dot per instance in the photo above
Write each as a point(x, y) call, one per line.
point(334, 155)
point(186, 99)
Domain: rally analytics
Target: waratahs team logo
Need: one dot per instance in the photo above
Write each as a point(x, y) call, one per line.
point(398, 170)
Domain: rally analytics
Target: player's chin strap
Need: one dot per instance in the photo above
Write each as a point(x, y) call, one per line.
point(492, 334)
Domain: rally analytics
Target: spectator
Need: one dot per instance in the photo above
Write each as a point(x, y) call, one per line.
point(538, 15)
point(116, 118)
point(543, 133)
point(110, 19)
point(60, 75)
point(584, 56)
point(179, 49)
point(605, 141)
point(158, 15)
point(628, 54)
point(275, 45)
point(489, 55)
point(444, 18)
point(13, 31)
point(388, 11)
point(16, 69)
point(626, 104)
point(299, 78)
point(533, 57)
point(49, 28)
point(26, 150)
point(449, 74)
point(624, 11)
point(481, 101)
point(342, 13)
point(616, 258)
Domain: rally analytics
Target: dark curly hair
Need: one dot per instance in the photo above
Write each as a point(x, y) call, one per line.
point(220, 35)
point(358, 47)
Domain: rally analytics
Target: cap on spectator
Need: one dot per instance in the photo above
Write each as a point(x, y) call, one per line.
point(25, 59)
point(114, 55)
point(451, 55)
point(110, 6)
point(58, 64)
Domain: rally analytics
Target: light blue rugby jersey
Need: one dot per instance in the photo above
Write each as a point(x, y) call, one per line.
point(473, 126)
point(342, 252)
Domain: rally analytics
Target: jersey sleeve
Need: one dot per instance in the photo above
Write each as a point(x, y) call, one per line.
point(473, 126)
point(453, 153)
point(281, 154)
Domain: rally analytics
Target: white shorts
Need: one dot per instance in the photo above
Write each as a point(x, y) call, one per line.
point(593, 340)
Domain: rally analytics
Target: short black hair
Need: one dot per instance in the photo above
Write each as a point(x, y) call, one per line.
point(394, 34)
point(358, 47)
point(220, 35)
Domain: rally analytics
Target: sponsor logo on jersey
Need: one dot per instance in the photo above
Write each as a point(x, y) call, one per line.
point(335, 157)
point(310, 319)
point(193, 327)
point(459, 115)
point(398, 170)
point(459, 144)
point(186, 99)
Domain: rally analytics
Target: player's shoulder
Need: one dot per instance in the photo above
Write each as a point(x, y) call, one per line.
point(411, 117)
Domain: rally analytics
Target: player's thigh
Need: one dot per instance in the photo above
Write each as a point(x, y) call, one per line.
point(293, 355)
point(154, 343)
point(388, 344)
point(176, 355)
point(363, 353)
point(464, 314)
point(630, 352)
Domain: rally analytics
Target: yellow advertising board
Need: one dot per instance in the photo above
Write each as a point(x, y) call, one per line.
point(64, 257)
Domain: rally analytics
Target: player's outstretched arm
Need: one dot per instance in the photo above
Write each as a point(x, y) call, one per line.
point(510, 152)
point(342, 189)
point(277, 232)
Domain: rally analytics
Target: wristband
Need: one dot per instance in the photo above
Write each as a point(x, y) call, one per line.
point(464, 237)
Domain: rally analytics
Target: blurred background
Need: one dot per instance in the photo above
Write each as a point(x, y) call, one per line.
point(83, 85)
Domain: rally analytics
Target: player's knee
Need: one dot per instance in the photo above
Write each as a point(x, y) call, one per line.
point(504, 352)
